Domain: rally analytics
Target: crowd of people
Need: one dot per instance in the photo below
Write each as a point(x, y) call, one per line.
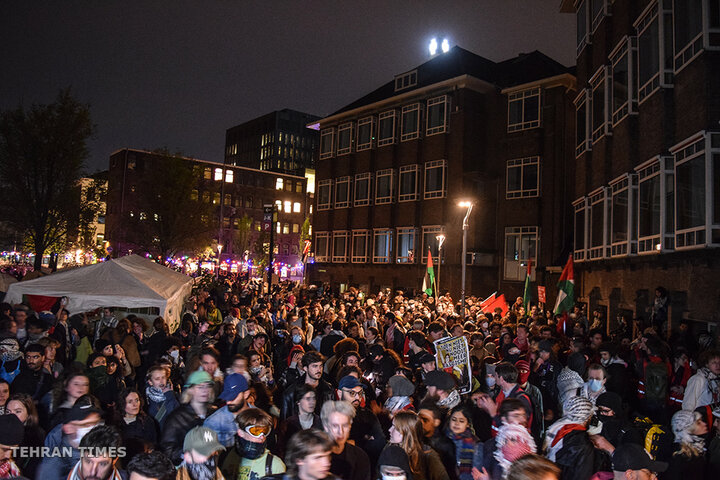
point(312, 384)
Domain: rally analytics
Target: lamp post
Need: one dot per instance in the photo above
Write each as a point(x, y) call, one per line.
point(219, 247)
point(465, 225)
point(441, 239)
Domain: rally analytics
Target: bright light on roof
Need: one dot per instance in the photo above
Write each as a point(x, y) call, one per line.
point(445, 45)
point(433, 46)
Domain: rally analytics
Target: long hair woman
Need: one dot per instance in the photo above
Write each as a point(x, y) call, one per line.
point(406, 432)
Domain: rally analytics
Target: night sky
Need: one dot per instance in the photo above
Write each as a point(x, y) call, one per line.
point(177, 73)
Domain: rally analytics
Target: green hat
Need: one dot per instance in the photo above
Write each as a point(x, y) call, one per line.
point(197, 377)
point(202, 440)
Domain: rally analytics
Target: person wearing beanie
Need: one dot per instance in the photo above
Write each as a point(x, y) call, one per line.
point(400, 391)
point(689, 459)
point(443, 387)
point(615, 426)
point(393, 464)
point(12, 436)
point(568, 444)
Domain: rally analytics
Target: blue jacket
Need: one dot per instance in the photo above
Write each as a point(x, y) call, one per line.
point(223, 422)
point(59, 466)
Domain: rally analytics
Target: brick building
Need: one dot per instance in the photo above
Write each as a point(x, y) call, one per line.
point(242, 191)
point(647, 211)
point(394, 164)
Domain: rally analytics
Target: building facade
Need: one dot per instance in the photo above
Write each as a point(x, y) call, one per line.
point(238, 195)
point(393, 166)
point(278, 142)
point(647, 212)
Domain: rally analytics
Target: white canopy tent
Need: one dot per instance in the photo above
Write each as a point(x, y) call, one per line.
point(130, 282)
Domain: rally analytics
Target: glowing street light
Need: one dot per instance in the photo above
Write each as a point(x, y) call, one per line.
point(441, 239)
point(465, 225)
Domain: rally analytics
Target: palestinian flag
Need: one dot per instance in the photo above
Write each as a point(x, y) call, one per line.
point(429, 280)
point(566, 294)
point(526, 293)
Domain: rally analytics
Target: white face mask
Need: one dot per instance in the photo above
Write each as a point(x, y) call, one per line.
point(393, 477)
point(175, 354)
point(490, 381)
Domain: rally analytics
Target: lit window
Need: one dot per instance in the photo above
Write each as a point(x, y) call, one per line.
point(435, 180)
point(437, 115)
point(229, 174)
point(656, 205)
point(207, 173)
point(321, 246)
point(410, 122)
point(277, 228)
point(582, 123)
point(408, 183)
point(365, 129)
point(218, 174)
point(324, 197)
point(360, 240)
point(327, 137)
point(340, 244)
point(386, 128)
point(624, 93)
point(406, 245)
point(342, 192)
point(279, 184)
point(297, 207)
point(345, 135)
point(523, 178)
point(295, 228)
point(430, 242)
point(521, 246)
point(362, 189)
point(600, 101)
point(384, 181)
point(524, 110)
point(654, 39)
point(286, 228)
point(228, 200)
point(216, 198)
point(382, 245)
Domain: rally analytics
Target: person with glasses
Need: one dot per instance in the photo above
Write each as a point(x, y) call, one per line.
point(632, 462)
point(251, 459)
point(366, 432)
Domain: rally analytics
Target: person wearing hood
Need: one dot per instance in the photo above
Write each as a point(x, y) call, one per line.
point(568, 444)
point(615, 426)
point(400, 392)
point(570, 380)
point(703, 388)
point(688, 461)
point(393, 464)
point(251, 459)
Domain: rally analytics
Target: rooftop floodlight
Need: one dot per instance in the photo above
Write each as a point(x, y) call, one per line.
point(445, 45)
point(433, 46)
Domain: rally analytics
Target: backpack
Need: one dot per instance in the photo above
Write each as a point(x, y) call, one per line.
point(657, 439)
point(656, 381)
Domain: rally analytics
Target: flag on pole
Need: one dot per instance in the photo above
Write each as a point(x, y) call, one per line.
point(501, 303)
point(526, 293)
point(488, 301)
point(429, 280)
point(566, 294)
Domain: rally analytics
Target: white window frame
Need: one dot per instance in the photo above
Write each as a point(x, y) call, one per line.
point(433, 231)
point(628, 246)
point(389, 198)
point(390, 114)
point(596, 197)
point(429, 194)
point(603, 12)
point(359, 147)
point(362, 202)
point(524, 192)
point(229, 176)
point(599, 81)
point(685, 54)
point(323, 184)
point(627, 49)
point(406, 80)
point(218, 175)
point(321, 257)
point(433, 103)
point(520, 265)
point(342, 129)
point(360, 257)
point(522, 97)
point(388, 233)
point(325, 132)
point(340, 202)
point(407, 169)
point(412, 254)
point(580, 205)
point(414, 134)
point(582, 42)
point(698, 145)
point(340, 235)
point(661, 168)
point(583, 99)
point(663, 78)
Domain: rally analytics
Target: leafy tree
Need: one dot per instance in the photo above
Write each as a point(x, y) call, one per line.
point(176, 220)
point(42, 154)
point(242, 236)
point(304, 233)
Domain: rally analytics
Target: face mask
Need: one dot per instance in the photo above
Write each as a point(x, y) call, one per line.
point(514, 450)
point(485, 326)
point(175, 354)
point(490, 381)
point(605, 363)
point(393, 477)
point(251, 332)
point(296, 338)
point(595, 385)
point(202, 471)
point(255, 370)
point(249, 450)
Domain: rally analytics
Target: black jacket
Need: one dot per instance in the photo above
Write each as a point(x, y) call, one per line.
point(34, 383)
point(578, 458)
point(323, 392)
point(180, 421)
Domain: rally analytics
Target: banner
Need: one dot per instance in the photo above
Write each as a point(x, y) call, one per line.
point(453, 356)
point(541, 294)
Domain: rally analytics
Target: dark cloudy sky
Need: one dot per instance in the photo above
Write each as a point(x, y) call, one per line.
point(178, 73)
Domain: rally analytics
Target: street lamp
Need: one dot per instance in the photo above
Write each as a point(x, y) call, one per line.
point(469, 206)
point(219, 247)
point(441, 239)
